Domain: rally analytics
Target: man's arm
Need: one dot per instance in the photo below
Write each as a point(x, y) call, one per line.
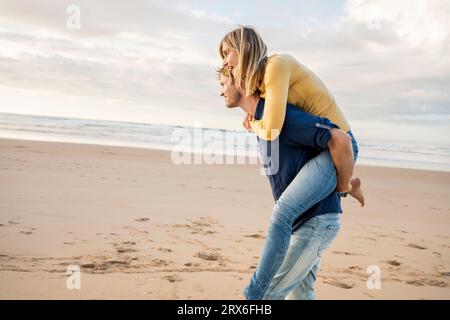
point(303, 129)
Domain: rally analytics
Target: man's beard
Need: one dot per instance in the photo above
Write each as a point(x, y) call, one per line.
point(234, 99)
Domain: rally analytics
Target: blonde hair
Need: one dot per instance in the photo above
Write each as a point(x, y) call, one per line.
point(252, 57)
point(225, 73)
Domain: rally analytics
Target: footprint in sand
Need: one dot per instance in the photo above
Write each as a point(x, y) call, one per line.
point(141, 219)
point(416, 246)
point(125, 250)
point(26, 232)
point(159, 263)
point(437, 283)
point(355, 268)
point(173, 278)
point(113, 263)
point(129, 243)
point(417, 283)
point(105, 266)
point(342, 252)
point(192, 264)
point(393, 263)
point(255, 236)
point(203, 232)
point(340, 284)
point(210, 256)
point(203, 222)
point(180, 225)
point(201, 226)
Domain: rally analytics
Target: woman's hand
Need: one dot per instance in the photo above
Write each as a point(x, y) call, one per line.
point(246, 123)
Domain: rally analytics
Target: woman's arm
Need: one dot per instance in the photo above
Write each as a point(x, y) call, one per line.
point(276, 79)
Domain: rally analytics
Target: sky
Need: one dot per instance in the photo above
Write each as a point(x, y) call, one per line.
point(386, 62)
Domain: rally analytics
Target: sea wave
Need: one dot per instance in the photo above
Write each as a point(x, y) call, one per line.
point(222, 141)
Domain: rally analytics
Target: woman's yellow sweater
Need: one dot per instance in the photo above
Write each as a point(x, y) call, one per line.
point(288, 81)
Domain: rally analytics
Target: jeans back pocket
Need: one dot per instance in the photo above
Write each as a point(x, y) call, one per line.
point(330, 234)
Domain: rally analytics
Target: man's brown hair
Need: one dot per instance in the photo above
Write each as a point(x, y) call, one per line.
point(222, 71)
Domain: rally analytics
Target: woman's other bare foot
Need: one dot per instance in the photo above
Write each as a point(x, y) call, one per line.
point(356, 191)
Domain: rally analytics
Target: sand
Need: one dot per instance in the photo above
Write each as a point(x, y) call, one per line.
point(140, 227)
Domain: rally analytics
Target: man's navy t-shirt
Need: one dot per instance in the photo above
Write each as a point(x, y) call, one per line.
point(302, 137)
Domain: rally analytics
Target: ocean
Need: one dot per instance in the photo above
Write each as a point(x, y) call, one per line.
point(388, 152)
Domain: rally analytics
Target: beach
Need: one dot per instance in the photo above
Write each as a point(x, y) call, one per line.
point(139, 226)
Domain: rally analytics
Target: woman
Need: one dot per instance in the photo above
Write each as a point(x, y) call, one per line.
point(281, 79)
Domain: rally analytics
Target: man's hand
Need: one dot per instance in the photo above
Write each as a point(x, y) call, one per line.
point(246, 123)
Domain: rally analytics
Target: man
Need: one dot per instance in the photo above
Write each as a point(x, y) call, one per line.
point(302, 138)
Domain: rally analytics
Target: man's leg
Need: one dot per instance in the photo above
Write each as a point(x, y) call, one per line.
point(305, 290)
point(315, 181)
point(299, 269)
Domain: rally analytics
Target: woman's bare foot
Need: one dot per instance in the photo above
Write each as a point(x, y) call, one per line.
point(356, 191)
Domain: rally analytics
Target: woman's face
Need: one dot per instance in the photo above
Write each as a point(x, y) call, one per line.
point(230, 57)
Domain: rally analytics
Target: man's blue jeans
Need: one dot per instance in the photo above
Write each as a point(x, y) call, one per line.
point(295, 278)
point(316, 180)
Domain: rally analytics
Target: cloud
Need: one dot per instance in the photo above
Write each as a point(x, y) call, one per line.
point(423, 24)
point(379, 58)
point(203, 14)
point(139, 54)
point(378, 53)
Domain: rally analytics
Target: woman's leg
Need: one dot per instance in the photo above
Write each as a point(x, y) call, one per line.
point(315, 181)
point(354, 145)
point(356, 190)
